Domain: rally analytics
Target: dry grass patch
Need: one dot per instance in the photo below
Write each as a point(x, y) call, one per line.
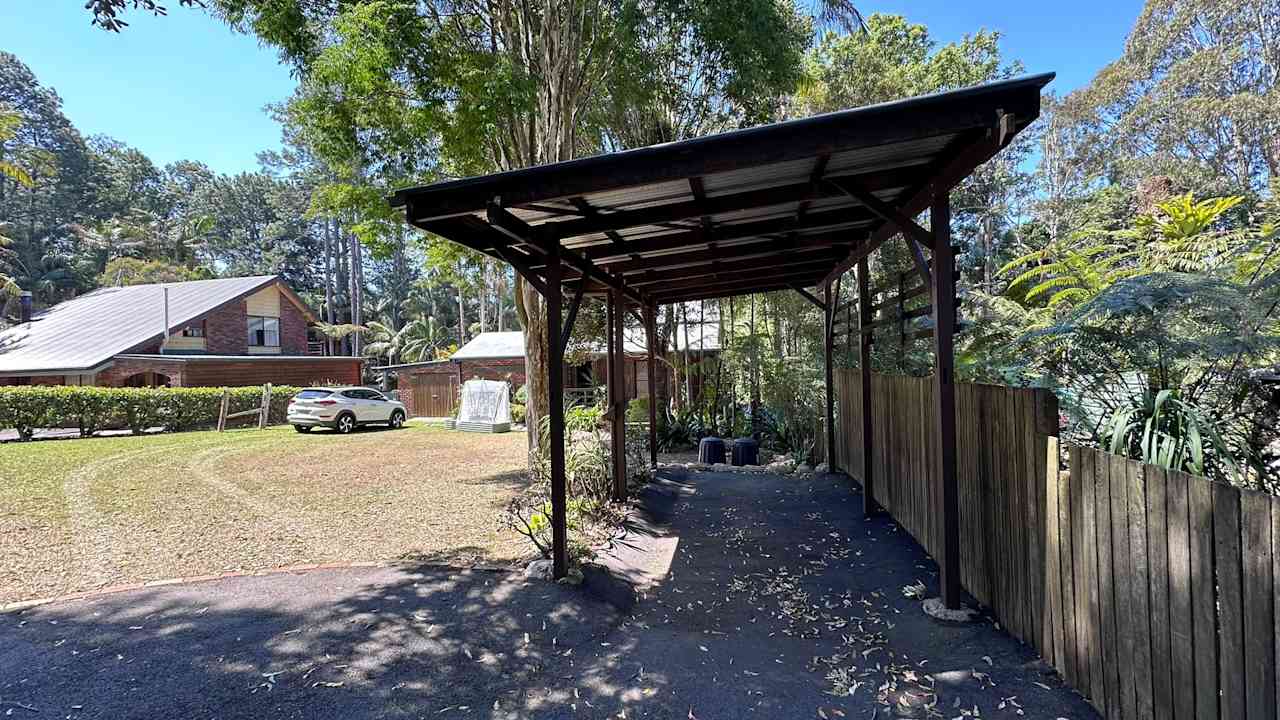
point(81, 514)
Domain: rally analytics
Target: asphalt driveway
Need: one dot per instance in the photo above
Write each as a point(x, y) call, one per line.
point(779, 602)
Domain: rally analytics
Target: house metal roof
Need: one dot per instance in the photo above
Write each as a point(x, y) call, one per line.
point(492, 345)
point(83, 334)
point(791, 204)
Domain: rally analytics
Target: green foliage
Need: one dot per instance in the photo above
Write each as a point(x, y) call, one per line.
point(31, 407)
point(895, 59)
point(1194, 97)
point(1166, 431)
point(517, 413)
point(134, 271)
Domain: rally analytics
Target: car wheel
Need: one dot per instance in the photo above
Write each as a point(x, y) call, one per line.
point(397, 420)
point(345, 424)
point(302, 428)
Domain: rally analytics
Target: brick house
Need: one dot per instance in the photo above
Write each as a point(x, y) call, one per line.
point(430, 389)
point(230, 331)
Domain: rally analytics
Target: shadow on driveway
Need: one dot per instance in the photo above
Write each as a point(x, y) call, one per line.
point(778, 595)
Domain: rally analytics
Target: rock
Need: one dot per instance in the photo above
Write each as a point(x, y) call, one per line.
point(781, 467)
point(544, 570)
point(755, 469)
point(574, 577)
point(803, 468)
point(539, 570)
point(723, 467)
point(822, 468)
point(934, 608)
point(697, 466)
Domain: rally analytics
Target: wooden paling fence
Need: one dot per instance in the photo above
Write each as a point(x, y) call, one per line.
point(1152, 592)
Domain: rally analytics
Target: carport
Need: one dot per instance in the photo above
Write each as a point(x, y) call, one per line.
point(792, 205)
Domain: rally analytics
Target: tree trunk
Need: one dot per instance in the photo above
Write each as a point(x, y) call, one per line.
point(688, 379)
point(328, 281)
point(357, 292)
point(532, 313)
point(484, 293)
point(462, 318)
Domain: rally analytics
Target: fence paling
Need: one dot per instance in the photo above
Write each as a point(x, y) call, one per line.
point(1152, 592)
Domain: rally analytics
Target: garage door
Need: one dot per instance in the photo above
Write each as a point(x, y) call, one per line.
point(434, 395)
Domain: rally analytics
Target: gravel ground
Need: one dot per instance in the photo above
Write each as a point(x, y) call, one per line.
point(77, 515)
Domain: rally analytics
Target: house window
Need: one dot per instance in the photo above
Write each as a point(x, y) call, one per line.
point(264, 331)
point(193, 331)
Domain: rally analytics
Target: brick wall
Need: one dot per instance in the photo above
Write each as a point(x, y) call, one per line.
point(121, 370)
point(508, 369)
point(227, 330)
point(300, 372)
point(293, 329)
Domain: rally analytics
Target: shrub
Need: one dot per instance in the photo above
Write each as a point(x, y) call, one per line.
point(28, 408)
point(638, 410)
point(517, 413)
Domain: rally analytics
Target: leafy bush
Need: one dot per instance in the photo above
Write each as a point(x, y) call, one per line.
point(522, 395)
point(89, 409)
point(638, 410)
point(27, 411)
point(518, 413)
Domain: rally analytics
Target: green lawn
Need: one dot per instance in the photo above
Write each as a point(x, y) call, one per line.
point(81, 514)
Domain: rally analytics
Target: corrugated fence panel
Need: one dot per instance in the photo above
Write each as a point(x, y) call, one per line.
point(1152, 592)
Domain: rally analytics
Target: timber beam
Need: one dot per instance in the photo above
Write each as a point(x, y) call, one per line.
point(733, 266)
point(505, 222)
point(674, 212)
point(965, 153)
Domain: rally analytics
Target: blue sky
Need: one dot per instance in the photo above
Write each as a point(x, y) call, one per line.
point(186, 87)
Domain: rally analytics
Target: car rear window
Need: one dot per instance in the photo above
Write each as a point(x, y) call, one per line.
point(314, 394)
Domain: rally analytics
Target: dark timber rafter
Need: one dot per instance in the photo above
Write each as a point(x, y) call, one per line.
point(966, 154)
point(740, 267)
point(762, 229)
point(746, 200)
point(800, 247)
point(916, 235)
point(504, 222)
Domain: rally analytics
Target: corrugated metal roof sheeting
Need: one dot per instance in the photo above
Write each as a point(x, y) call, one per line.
point(85, 332)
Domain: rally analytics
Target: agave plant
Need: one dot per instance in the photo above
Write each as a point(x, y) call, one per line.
point(1165, 430)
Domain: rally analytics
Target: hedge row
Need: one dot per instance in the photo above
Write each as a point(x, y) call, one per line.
point(28, 408)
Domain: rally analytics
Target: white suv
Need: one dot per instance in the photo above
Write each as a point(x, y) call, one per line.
point(343, 409)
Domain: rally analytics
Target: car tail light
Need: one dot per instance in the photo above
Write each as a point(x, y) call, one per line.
point(326, 402)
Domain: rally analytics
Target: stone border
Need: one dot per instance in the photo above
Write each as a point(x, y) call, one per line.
point(21, 605)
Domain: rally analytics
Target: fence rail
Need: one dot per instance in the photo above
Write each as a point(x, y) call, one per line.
point(1152, 592)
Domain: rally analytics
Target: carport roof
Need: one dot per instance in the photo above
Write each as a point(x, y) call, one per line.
point(790, 204)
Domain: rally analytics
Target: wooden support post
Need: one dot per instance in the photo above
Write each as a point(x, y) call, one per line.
point(618, 393)
point(222, 410)
point(264, 412)
point(944, 392)
point(650, 333)
point(828, 349)
point(555, 411)
point(869, 505)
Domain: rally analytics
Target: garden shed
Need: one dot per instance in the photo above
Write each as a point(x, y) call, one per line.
point(792, 205)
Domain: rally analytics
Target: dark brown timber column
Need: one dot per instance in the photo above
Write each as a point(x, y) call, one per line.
point(944, 392)
point(618, 393)
point(555, 410)
point(650, 331)
point(828, 347)
point(869, 505)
